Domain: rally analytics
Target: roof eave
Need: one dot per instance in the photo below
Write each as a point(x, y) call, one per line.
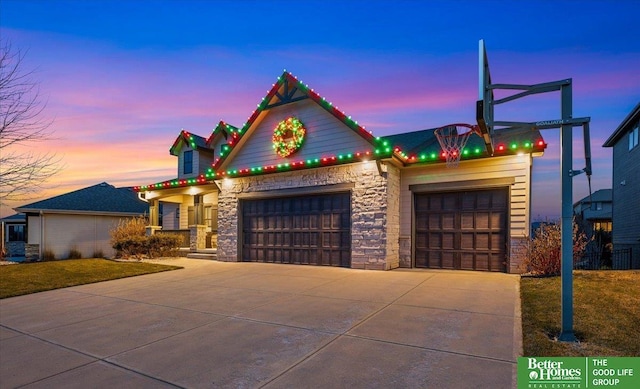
point(623, 127)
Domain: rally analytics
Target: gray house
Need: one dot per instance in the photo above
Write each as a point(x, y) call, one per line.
point(626, 184)
point(596, 210)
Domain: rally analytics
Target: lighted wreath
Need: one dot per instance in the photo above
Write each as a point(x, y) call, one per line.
point(288, 136)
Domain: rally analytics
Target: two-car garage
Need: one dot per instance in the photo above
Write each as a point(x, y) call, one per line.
point(464, 230)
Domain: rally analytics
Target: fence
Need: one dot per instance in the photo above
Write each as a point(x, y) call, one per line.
point(615, 260)
point(184, 234)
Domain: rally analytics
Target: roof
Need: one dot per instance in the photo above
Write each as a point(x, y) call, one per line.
point(101, 198)
point(195, 141)
point(15, 218)
point(408, 148)
point(419, 144)
point(632, 118)
point(602, 195)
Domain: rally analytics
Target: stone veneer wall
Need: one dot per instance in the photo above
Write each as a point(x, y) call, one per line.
point(374, 224)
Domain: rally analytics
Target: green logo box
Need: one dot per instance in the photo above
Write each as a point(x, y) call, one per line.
point(578, 372)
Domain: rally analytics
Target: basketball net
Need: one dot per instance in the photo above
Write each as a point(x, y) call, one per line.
point(452, 139)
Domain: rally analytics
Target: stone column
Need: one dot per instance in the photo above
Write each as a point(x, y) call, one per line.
point(198, 237)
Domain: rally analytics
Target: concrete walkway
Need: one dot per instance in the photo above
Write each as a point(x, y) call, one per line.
point(250, 325)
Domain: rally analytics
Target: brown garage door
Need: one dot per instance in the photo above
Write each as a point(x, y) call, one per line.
point(462, 230)
point(311, 230)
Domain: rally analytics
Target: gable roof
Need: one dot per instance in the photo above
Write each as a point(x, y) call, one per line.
point(98, 199)
point(289, 89)
point(602, 195)
point(195, 141)
point(407, 148)
point(632, 118)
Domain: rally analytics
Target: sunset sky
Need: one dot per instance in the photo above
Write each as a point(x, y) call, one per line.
point(121, 78)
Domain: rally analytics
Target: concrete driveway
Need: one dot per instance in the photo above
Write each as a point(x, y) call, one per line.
point(249, 325)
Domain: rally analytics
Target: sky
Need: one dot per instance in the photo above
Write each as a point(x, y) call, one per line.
point(120, 79)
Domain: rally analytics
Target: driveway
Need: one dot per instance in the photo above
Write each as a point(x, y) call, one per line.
point(251, 325)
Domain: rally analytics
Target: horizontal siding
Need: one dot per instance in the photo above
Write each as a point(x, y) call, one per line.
point(326, 136)
point(517, 167)
point(626, 202)
point(169, 220)
point(85, 233)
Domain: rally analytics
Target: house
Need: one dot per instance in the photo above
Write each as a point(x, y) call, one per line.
point(302, 182)
point(12, 235)
point(626, 185)
point(79, 220)
point(596, 210)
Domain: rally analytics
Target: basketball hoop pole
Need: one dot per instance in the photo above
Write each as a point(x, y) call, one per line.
point(566, 228)
point(486, 124)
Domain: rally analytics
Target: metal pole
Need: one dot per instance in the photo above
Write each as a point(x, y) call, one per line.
point(566, 168)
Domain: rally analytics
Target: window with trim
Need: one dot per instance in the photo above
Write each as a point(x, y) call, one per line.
point(187, 162)
point(633, 137)
point(15, 233)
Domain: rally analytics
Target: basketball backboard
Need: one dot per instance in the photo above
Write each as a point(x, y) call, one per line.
point(484, 105)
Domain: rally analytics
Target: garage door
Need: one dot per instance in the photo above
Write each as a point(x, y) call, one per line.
point(462, 230)
point(311, 230)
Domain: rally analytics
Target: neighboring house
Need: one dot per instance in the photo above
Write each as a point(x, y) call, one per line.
point(596, 210)
point(12, 234)
point(626, 184)
point(301, 182)
point(79, 220)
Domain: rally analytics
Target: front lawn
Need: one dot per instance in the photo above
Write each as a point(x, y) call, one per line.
point(25, 278)
point(606, 314)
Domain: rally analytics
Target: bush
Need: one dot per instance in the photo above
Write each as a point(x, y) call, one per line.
point(542, 254)
point(98, 254)
point(48, 255)
point(129, 239)
point(74, 254)
point(164, 245)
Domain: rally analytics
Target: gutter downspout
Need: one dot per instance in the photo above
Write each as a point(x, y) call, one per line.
point(41, 248)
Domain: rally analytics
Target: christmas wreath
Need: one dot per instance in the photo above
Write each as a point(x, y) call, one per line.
point(288, 136)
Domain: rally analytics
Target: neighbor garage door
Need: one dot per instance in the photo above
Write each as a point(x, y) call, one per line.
point(313, 230)
point(461, 230)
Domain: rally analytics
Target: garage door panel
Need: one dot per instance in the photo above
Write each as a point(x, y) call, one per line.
point(461, 230)
point(313, 229)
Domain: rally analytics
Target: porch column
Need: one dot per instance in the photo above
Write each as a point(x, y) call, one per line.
point(154, 217)
point(198, 231)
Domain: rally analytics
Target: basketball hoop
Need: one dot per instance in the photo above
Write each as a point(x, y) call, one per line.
point(452, 139)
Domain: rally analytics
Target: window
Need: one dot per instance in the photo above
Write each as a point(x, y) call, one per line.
point(633, 137)
point(16, 233)
point(188, 162)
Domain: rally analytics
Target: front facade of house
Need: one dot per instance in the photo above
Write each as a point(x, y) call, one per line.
point(626, 184)
point(303, 183)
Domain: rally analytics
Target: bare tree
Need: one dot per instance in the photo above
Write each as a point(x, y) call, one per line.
point(22, 171)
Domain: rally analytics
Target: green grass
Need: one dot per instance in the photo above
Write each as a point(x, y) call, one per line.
point(25, 278)
point(606, 314)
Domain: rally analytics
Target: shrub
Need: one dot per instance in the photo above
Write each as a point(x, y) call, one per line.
point(98, 254)
point(164, 245)
point(129, 239)
point(48, 255)
point(542, 254)
point(74, 254)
